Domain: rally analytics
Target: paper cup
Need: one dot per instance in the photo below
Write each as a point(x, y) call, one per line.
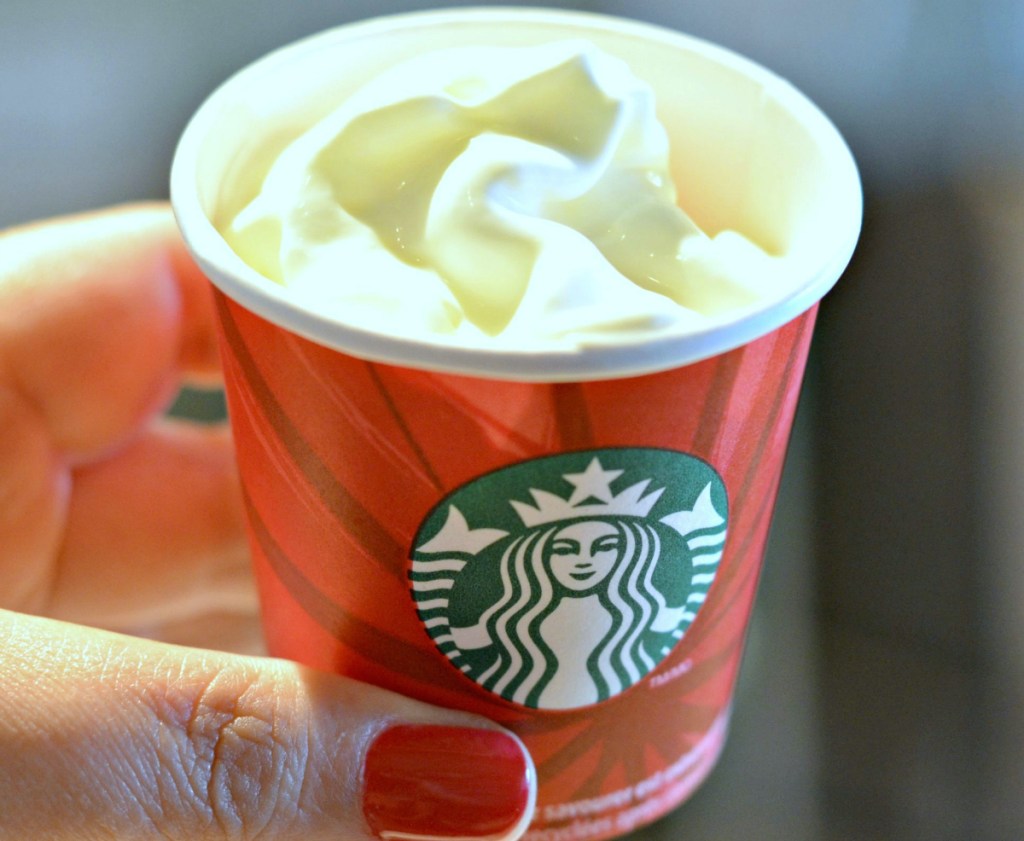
point(568, 542)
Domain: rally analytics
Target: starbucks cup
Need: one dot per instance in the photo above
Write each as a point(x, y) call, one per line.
point(567, 542)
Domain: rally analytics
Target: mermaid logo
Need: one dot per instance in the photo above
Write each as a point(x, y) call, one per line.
point(560, 582)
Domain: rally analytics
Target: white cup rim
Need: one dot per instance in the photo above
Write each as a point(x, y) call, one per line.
point(720, 334)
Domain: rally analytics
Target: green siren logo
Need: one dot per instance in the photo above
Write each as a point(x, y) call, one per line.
point(562, 581)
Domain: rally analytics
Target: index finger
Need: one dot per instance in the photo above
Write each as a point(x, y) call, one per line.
point(100, 317)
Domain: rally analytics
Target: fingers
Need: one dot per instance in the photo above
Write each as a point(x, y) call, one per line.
point(222, 630)
point(34, 491)
point(99, 317)
point(104, 736)
point(155, 534)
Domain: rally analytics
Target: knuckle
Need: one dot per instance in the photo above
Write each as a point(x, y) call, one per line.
point(238, 760)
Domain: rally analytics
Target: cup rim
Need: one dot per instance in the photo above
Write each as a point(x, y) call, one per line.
point(232, 276)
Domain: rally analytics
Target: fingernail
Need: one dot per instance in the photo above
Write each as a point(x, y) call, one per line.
point(436, 783)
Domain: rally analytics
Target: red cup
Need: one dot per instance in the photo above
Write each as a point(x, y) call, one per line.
point(567, 543)
point(345, 462)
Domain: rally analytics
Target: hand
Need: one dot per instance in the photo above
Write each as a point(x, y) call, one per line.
point(112, 515)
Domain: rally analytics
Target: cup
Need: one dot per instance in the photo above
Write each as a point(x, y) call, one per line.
point(567, 542)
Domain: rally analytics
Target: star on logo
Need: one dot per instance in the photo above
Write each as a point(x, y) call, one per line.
point(592, 484)
point(595, 482)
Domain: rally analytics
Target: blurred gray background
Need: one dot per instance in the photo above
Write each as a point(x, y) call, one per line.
point(882, 689)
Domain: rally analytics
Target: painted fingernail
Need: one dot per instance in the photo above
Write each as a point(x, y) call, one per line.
point(429, 782)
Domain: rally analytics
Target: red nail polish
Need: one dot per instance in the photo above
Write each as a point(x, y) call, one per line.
point(429, 782)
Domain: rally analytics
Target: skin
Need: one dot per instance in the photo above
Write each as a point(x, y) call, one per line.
point(112, 515)
point(582, 555)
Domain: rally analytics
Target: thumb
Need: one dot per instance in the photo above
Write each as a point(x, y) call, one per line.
point(104, 736)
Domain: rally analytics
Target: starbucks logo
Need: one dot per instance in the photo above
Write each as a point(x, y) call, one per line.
point(560, 582)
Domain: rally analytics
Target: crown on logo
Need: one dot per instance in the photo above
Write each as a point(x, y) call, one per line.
point(594, 483)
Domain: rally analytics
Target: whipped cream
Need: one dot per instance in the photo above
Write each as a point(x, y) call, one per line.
point(512, 196)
